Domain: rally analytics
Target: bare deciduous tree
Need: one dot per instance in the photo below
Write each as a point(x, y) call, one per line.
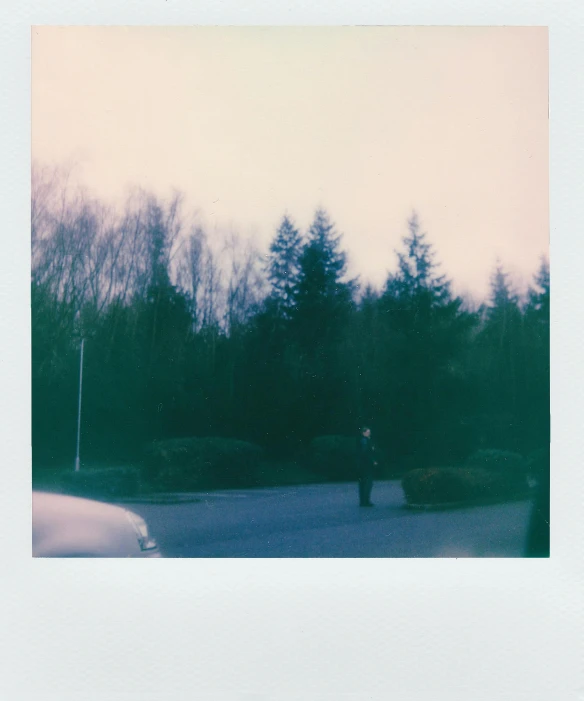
point(246, 281)
point(190, 272)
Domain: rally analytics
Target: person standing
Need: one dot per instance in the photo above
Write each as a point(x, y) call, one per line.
point(366, 463)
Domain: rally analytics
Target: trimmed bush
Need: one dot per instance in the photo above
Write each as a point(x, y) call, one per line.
point(456, 484)
point(106, 483)
point(183, 464)
point(333, 457)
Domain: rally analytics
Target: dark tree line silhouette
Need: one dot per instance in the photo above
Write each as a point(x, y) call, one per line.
point(185, 338)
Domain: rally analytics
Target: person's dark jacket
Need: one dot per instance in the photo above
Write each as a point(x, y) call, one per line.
point(365, 455)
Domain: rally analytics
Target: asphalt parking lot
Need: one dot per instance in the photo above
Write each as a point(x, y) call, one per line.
point(319, 521)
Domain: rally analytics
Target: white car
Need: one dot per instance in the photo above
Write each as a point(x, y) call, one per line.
point(67, 526)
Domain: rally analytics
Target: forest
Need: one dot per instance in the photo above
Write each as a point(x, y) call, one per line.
point(185, 336)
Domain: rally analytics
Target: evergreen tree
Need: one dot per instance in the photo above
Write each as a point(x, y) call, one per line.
point(429, 330)
point(418, 300)
point(323, 305)
point(499, 352)
point(417, 276)
point(539, 296)
point(284, 267)
point(324, 296)
point(503, 304)
point(537, 358)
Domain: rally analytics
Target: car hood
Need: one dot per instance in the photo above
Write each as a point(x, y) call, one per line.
point(66, 526)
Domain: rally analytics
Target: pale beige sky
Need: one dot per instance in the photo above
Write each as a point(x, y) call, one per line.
point(367, 122)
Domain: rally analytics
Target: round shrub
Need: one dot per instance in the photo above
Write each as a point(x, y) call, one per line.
point(333, 457)
point(449, 484)
point(193, 463)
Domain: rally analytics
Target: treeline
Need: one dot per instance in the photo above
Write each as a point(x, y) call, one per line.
point(184, 338)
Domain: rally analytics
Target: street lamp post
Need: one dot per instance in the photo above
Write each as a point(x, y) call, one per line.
point(79, 406)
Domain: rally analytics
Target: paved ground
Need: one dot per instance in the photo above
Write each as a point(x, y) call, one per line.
point(325, 521)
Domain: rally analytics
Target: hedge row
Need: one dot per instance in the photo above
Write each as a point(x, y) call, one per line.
point(191, 464)
point(194, 463)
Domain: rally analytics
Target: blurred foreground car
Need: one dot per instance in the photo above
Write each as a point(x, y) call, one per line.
point(66, 526)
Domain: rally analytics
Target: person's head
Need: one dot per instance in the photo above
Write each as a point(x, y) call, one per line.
point(366, 432)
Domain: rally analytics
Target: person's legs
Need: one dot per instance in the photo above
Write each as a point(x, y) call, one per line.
point(362, 497)
point(365, 487)
point(368, 486)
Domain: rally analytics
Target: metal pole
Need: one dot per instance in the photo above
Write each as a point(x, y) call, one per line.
point(79, 408)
